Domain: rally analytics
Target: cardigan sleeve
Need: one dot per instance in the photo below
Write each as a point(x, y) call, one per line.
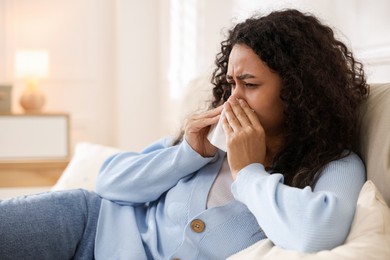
point(304, 220)
point(133, 178)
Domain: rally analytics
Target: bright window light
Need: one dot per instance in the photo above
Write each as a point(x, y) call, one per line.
point(183, 45)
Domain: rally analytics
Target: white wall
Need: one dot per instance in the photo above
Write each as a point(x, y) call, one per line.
point(369, 32)
point(137, 98)
point(2, 43)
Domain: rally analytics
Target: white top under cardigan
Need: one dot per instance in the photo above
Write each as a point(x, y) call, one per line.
point(220, 192)
point(151, 198)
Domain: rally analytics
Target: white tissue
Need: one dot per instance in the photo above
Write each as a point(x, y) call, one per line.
point(217, 135)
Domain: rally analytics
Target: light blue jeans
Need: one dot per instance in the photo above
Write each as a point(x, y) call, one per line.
point(52, 225)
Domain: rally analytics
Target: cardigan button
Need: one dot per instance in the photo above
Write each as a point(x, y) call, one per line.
point(198, 225)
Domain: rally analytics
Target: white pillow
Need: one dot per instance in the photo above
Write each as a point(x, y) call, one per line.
point(369, 237)
point(85, 164)
point(375, 138)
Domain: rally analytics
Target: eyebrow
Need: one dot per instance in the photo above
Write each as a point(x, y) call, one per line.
point(241, 77)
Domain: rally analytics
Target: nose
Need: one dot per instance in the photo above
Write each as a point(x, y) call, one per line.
point(238, 91)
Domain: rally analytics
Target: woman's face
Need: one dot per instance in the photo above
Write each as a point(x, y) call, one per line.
point(252, 80)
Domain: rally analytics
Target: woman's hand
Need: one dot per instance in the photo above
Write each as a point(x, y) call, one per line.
point(245, 135)
point(196, 129)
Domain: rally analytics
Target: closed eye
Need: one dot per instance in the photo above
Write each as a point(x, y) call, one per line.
point(251, 85)
point(232, 84)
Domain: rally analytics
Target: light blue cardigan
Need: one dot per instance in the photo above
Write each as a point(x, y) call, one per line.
point(151, 198)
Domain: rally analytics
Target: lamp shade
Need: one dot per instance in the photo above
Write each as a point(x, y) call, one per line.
point(32, 64)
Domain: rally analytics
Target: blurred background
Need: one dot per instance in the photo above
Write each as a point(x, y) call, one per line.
point(120, 68)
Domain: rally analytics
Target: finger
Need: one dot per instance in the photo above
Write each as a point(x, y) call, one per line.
point(226, 127)
point(204, 119)
point(209, 113)
point(199, 121)
point(195, 124)
point(250, 113)
point(231, 117)
point(239, 111)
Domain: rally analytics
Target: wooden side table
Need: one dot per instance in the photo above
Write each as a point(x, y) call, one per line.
point(34, 148)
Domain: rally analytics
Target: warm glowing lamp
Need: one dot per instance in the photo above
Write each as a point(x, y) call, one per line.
point(32, 66)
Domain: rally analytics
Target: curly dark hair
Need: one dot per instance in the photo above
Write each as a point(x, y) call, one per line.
point(322, 88)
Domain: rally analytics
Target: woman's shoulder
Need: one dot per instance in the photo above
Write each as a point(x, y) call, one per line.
point(347, 169)
point(349, 162)
point(349, 159)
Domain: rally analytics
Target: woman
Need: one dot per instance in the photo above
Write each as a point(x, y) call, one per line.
point(290, 93)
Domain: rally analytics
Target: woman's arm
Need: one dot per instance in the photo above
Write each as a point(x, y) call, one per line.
point(130, 178)
point(302, 219)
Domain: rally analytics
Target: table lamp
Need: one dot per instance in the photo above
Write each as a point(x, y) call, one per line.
point(32, 66)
